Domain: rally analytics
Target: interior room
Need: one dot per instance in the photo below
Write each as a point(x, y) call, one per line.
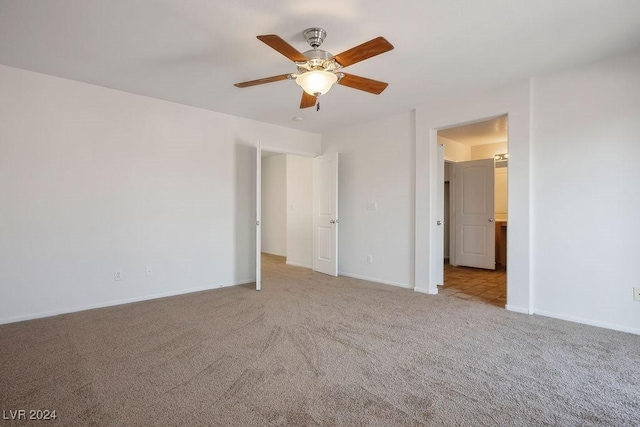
point(136, 205)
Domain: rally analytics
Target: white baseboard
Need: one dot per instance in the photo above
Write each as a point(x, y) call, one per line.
point(517, 309)
point(589, 322)
point(42, 314)
point(425, 291)
point(273, 253)
point(295, 264)
point(373, 279)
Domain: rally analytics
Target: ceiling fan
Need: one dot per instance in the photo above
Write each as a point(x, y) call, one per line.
point(319, 70)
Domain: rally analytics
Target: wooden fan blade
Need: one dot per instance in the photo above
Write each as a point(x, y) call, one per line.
point(283, 47)
point(307, 100)
point(364, 51)
point(262, 81)
point(362, 83)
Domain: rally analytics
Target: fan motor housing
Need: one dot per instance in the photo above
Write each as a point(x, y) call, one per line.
point(318, 54)
point(314, 36)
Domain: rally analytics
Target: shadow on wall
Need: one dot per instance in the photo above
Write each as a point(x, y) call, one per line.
point(244, 212)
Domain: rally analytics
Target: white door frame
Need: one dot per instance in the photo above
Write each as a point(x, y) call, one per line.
point(433, 260)
point(438, 272)
point(258, 215)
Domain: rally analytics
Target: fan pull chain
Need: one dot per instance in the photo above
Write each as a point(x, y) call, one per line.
point(318, 106)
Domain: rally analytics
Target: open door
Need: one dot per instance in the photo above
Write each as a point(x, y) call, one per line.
point(325, 214)
point(474, 205)
point(437, 270)
point(258, 214)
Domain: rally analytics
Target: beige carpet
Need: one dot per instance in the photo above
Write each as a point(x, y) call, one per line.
point(310, 349)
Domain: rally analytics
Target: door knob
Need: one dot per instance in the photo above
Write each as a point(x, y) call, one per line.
point(439, 222)
point(490, 219)
point(332, 221)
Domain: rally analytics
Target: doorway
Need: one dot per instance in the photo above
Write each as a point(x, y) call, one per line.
point(287, 208)
point(475, 208)
point(296, 211)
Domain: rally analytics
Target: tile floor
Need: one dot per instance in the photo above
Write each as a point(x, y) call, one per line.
point(474, 284)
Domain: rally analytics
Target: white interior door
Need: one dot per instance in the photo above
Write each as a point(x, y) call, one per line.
point(438, 241)
point(325, 214)
point(258, 215)
point(474, 205)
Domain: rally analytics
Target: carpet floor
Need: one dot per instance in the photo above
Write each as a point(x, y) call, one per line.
point(311, 349)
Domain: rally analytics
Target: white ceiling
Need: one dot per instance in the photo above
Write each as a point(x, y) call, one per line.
point(192, 51)
point(480, 133)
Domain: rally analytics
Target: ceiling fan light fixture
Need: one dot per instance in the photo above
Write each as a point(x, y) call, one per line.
point(319, 70)
point(316, 82)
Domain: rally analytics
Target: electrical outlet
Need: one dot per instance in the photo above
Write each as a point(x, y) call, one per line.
point(370, 259)
point(117, 275)
point(149, 270)
point(636, 294)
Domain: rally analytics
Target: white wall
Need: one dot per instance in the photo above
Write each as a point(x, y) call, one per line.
point(501, 195)
point(299, 205)
point(573, 197)
point(487, 151)
point(274, 205)
point(375, 165)
point(447, 220)
point(586, 196)
point(93, 180)
point(455, 151)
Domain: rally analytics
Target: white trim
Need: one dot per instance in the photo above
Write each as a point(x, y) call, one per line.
point(596, 323)
point(228, 285)
point(532, 230)
point(295, 264)
point(258, 227)
point(273, 253)
point(425, 291)
point(118, 302)
point(516, 309)
point(373, 279)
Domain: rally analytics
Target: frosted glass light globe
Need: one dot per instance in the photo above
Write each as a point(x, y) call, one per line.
point(316, 82)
